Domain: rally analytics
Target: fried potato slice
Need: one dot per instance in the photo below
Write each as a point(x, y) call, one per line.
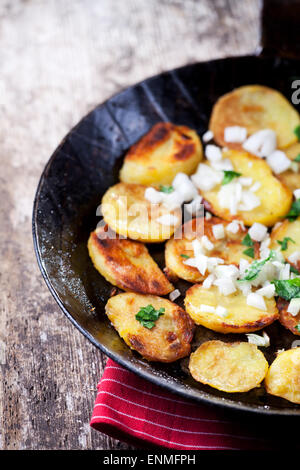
point(240, 318)
point(275, 198)
point(289, 321)
point(229, 248)
point(162, 153)
point(128, 213)
point(126, 264)
point(167, 341)
point(229, 367)
point(255, 107)
point(286, 230)
point(283, 377)
point(289, 177)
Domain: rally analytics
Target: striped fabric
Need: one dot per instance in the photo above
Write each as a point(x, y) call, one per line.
point(133, 410)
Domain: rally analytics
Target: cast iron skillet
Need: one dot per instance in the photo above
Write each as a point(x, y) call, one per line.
point(86, 164)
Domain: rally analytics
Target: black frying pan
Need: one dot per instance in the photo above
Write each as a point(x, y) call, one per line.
point(87, 162)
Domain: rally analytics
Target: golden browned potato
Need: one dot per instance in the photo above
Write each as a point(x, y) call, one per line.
point(288, 320)
point(290, 177)
point(126, 264)
point(240, 317)
point(162, 153)
point(255, 107)
point(275, 198)
point(170, 337)
point(229, 248)
point(128, 213)
point(283, 377)
point(229, 367)
point(287, 230)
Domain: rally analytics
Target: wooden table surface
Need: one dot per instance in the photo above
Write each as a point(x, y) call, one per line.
point(59, 59)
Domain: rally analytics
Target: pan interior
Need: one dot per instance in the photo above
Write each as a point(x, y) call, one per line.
point(87, 162)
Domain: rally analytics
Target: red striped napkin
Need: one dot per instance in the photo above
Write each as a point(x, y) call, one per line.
point(133, 410)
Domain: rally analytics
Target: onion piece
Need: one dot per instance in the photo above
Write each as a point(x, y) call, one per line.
point(278, 162)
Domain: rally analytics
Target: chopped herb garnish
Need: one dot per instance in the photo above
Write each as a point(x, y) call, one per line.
point(147, 316)
point(255, 267)
point(287, 289)
point(294, 270)
point(247, 241)
point(229, 175)
point(294, 211)
point(166, 189)
point(297, 159)
point(284, 243)
point(249, 252)
point(298, 327)
point(297, 132)
point(184, 256)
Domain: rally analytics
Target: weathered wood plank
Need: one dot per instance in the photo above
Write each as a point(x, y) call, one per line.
point(58, 60)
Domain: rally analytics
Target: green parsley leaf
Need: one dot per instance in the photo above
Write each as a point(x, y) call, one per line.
point(298, 327)
point(184, 256)
point(297, 159)
point(247, 241)
point(294, 211)
point(255, 267)
point(297, 132)
point(229, 175)
point(284, 243)
point(166, 189)
point(249, 252)
point(147, 316)
point(287, 289)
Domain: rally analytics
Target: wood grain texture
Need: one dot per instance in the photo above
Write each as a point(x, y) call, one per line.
point(59, 59)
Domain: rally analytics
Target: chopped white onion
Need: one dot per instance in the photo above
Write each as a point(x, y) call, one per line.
point(243, 266)
point(233, 227)
point(197, 247)
point(294, 257)
point(218, 231)
point(284, 274)
point(258, 340)
point(297, 193)
point(225, 285)
point(221, 311)
point(249, 201)
point(267, 291)
point(184, 186)
point(207, 283)
point(258, 231)
point(264, 250)
point(206, 243)
point(245, 287)
point(235, 134)
point(255, 187)
point(208, 216)
point(195, 206)
point(206, 177)
point(256, 300)
point(207, 136)
point(174, 294)
point(172, 200)
point(213, 153)
point(207, 308)
point(261, 143)
point(294, 307)
point(153, 195)
point(278, 161)
point(229, 271)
